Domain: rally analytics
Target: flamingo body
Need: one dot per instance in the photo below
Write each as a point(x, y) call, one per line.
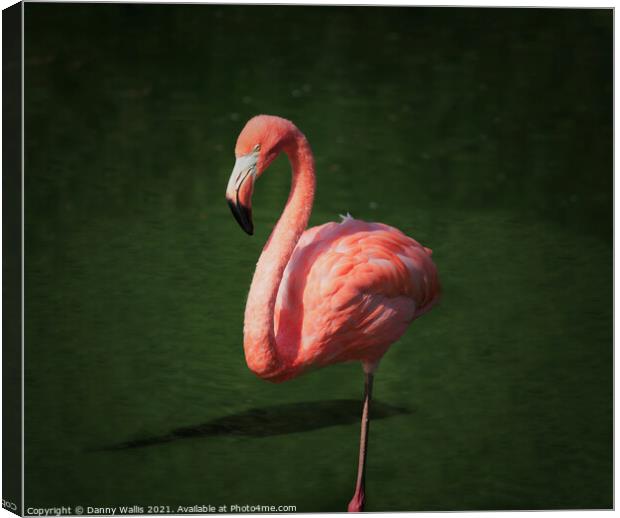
point(348, 292)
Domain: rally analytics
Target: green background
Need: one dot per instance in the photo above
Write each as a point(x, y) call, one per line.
point(486, 134)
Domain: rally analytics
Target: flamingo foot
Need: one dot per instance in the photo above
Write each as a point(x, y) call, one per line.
point(356, 505)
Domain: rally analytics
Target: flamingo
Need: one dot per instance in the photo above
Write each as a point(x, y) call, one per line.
point(332, 293)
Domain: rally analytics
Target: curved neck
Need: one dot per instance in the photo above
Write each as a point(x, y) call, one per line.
point(259, 336)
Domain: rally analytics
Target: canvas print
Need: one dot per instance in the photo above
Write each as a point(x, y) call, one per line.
point(303, 258)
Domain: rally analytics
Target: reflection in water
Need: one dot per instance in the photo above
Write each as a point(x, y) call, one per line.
point(272, 420)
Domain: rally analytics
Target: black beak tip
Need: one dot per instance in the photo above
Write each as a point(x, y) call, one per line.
point(249, 230)
point(243, 215)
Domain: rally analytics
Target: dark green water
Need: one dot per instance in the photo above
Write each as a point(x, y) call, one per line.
point(485, 134)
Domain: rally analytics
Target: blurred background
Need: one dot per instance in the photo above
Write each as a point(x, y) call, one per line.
point(486, 134)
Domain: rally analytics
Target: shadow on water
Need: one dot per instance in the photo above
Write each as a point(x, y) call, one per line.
point(272, 420)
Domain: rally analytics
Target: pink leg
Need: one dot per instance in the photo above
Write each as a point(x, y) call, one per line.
point(357, 502)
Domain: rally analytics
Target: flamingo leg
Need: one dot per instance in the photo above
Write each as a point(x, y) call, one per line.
point(357, 502)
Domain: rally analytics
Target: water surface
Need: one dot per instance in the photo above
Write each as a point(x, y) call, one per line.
point(485, 134)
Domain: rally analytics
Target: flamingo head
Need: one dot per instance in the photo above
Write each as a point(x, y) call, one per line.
point(259, 143)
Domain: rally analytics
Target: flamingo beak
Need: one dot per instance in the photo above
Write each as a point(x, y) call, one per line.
point(240, 189)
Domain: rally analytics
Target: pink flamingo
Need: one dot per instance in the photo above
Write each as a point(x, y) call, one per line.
point(332, 293)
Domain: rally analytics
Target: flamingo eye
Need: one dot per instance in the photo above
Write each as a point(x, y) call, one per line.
point(256, 148)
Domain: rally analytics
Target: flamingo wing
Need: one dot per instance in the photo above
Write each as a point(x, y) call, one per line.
point(349, 291)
